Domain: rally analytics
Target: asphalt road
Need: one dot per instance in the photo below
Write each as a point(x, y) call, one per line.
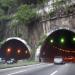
point(41, 69)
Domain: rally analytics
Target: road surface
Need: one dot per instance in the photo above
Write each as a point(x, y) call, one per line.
point(41, 69)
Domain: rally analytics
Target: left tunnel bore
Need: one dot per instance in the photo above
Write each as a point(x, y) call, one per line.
point(16, 48)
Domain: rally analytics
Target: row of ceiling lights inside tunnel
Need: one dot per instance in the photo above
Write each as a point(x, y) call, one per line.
point(9, 50)
point(62, 40)
point(67, 51)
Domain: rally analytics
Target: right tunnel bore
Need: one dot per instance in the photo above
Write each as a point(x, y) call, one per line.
point(59, 43)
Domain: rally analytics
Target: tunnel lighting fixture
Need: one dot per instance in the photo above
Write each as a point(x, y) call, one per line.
point(51, 41)
point(73, 38)
point(18, 51)
point(64, 50)
point(26, 51)
point(62, 40)
point(8, 50)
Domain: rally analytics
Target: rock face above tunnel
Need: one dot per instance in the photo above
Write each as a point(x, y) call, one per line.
point(63, 22)
point(33, 33)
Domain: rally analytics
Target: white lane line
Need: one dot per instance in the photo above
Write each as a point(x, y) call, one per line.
point(26, 70)
point(54, 72)
point(22, 67)
point(19, 67)
point(17, 72)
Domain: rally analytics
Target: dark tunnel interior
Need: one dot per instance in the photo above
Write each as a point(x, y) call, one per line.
point(14, 49)
point(59, 43)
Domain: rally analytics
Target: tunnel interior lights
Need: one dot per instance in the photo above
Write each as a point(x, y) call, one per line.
point(18, 51)
point(8, 50)
point(51, 41)
point(68, 51)
point(74, 39)
point(26, 52)
point(62, 40)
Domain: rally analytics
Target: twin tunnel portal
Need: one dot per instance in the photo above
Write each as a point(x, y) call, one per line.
point(60, 42)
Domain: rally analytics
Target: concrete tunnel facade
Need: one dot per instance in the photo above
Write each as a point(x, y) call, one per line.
point(15, 47)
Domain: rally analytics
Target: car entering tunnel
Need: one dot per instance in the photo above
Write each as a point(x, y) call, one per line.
point(15, 48)
point(59, 43)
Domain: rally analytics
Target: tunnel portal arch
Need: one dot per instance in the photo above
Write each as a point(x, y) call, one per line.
point(15, 47)
point(45, 55)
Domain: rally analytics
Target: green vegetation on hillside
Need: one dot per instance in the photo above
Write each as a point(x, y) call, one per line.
point(25, 14)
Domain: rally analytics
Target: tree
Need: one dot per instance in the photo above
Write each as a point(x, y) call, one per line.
point(7, 5)
point(25, 14)
point(30, 2)
point(1, 12)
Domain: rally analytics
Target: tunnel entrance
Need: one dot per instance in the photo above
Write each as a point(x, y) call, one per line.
point(59, 43)
point(16, 48)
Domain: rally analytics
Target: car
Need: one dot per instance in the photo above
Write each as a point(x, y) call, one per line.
point(3, 61)
point(11, 61)
point(8, 61)
point(58, 60)
point(69, 59)
point(0, 60)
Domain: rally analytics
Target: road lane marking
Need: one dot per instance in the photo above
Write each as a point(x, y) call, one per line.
point(27, 70)
point(21, 67)
point(17, 72)
point(54, 72)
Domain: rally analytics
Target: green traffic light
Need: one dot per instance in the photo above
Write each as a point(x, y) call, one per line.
point(62, 40)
